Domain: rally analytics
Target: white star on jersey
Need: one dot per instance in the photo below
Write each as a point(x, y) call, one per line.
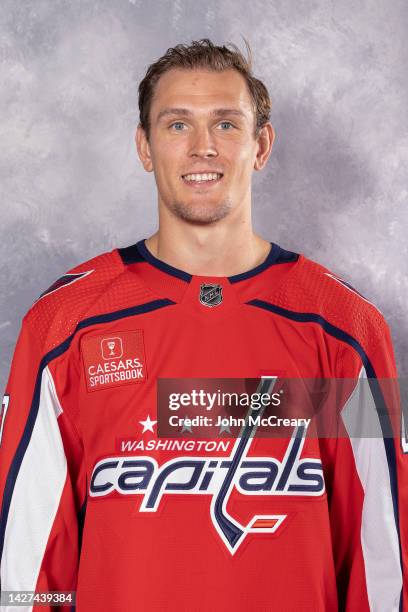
point(187, 427)
point(148, 424)
point(225, 427)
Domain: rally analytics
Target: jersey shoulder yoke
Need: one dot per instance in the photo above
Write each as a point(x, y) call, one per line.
point(94, 287)
point(312, 289)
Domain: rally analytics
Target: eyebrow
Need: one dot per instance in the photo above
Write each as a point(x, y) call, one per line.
point(217, 112)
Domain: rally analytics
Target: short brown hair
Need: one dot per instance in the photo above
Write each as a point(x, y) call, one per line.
point(204, 54)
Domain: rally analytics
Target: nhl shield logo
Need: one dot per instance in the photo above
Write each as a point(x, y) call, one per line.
point(210, 295)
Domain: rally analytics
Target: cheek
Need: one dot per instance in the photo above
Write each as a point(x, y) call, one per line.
point(167, 155)
point(173, 160)
point(240, 153)
point(166, 168)
point(243, 165)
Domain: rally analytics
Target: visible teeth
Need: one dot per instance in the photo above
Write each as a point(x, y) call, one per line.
point(202, 177)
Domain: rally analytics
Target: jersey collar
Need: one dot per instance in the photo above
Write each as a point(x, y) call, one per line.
point(138, 252)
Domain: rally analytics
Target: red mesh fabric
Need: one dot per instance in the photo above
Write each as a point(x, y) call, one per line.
point(309, 289)
point(111, 286)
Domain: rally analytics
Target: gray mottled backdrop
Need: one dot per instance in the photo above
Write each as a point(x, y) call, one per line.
point(335, 187)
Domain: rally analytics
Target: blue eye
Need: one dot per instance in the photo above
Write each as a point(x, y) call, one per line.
point(177, 123)
point(226, 122)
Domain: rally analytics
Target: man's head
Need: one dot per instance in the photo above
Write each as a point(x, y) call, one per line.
point(202, 111)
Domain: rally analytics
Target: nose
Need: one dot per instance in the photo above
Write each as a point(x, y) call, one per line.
point(202, 143)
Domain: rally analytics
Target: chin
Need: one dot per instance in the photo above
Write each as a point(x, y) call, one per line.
point(196, 213)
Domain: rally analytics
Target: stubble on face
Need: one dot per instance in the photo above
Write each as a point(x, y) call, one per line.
point(200, 213)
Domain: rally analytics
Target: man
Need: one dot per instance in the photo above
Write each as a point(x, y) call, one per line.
point(93, 500)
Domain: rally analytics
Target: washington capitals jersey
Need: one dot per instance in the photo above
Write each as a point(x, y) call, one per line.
point(94, 501)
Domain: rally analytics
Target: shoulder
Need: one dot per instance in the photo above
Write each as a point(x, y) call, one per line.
point(55, 313)
point(324, 297)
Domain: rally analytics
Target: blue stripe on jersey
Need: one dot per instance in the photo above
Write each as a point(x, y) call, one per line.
point(276, 255)
point(81, 521)
point(138, 252)
point(32, 416)
point(63, 281)
point(383, 416)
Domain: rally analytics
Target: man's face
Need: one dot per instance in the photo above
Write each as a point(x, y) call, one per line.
point(201, 122)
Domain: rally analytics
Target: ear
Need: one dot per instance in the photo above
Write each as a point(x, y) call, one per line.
point(143, 149)
point(265, 141)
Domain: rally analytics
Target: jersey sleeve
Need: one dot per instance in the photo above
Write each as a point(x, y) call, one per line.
point(42, 480)
point(389, 402)
point(369, 488)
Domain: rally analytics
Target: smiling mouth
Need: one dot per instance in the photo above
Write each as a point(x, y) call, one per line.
point(200, 179)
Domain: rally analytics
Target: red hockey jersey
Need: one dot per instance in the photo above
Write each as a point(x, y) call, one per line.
point(94, 501)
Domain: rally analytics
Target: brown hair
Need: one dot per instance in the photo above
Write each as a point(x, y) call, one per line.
point(204, 54)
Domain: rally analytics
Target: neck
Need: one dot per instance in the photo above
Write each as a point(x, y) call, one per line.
point(217, 249)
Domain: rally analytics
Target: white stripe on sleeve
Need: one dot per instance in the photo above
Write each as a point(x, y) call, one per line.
point(379, 536)
point(36, 497)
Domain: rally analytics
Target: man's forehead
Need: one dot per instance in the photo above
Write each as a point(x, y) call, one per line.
point(208, 91)
point(178, 111)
